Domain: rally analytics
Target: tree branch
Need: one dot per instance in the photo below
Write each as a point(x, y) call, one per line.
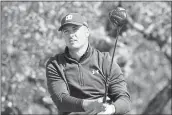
point(150, 35)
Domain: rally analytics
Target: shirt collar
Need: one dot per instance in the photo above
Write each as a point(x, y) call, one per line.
point(83, 57)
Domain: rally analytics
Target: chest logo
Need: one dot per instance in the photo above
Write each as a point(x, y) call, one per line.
point(95, 71)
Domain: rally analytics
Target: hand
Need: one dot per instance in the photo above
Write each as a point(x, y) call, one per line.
point(93, 106)
point(101, 99)
point(110, 109)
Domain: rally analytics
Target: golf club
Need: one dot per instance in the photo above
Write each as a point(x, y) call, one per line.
point(118, 19)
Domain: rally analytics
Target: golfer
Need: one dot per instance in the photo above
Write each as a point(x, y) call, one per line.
point(76, 78)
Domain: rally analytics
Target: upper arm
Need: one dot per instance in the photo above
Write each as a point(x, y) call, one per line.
point(58, 90)
point(55, 82)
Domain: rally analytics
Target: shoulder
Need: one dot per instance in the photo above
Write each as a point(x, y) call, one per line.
point(101, 54)
point(105, 57)
point(55, 59)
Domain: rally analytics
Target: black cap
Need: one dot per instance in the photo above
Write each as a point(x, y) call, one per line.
point(73, 18)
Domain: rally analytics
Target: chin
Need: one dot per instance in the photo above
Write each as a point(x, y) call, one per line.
point(74, 47)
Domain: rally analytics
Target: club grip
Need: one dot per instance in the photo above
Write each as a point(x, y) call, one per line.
point(105, 94)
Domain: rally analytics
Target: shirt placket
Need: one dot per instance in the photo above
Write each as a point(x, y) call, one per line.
point(81, 81)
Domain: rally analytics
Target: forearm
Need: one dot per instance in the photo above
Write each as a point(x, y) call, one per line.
point(122, 105)
point(67, 103)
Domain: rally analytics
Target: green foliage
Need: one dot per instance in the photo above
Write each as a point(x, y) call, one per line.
point(30, 36)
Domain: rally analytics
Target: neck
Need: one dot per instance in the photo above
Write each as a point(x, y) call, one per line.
point(77, 53)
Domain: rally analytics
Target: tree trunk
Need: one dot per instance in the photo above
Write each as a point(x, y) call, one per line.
point(157, 104)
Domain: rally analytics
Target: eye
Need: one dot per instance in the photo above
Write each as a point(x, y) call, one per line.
point(75, 28)
point(65, 31)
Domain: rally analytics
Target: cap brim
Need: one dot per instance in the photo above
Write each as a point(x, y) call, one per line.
point(74, 23)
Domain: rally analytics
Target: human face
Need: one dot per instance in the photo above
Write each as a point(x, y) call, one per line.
point(75, 36)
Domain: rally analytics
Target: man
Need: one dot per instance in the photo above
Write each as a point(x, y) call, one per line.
point(76, 78)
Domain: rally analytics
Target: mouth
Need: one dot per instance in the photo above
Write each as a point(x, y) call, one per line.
point(72, 40)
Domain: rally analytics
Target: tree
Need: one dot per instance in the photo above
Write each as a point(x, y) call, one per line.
point(30, 37)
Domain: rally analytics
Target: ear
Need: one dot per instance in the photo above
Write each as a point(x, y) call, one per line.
point(87, 31)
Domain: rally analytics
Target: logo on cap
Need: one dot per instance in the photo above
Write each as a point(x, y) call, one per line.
point(69, 17)
point(95, 71)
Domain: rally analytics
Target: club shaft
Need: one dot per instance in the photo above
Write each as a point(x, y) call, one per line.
point(106, 83)
point(113, 54)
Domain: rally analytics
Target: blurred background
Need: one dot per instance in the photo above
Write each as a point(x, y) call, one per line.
point(29, 36)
